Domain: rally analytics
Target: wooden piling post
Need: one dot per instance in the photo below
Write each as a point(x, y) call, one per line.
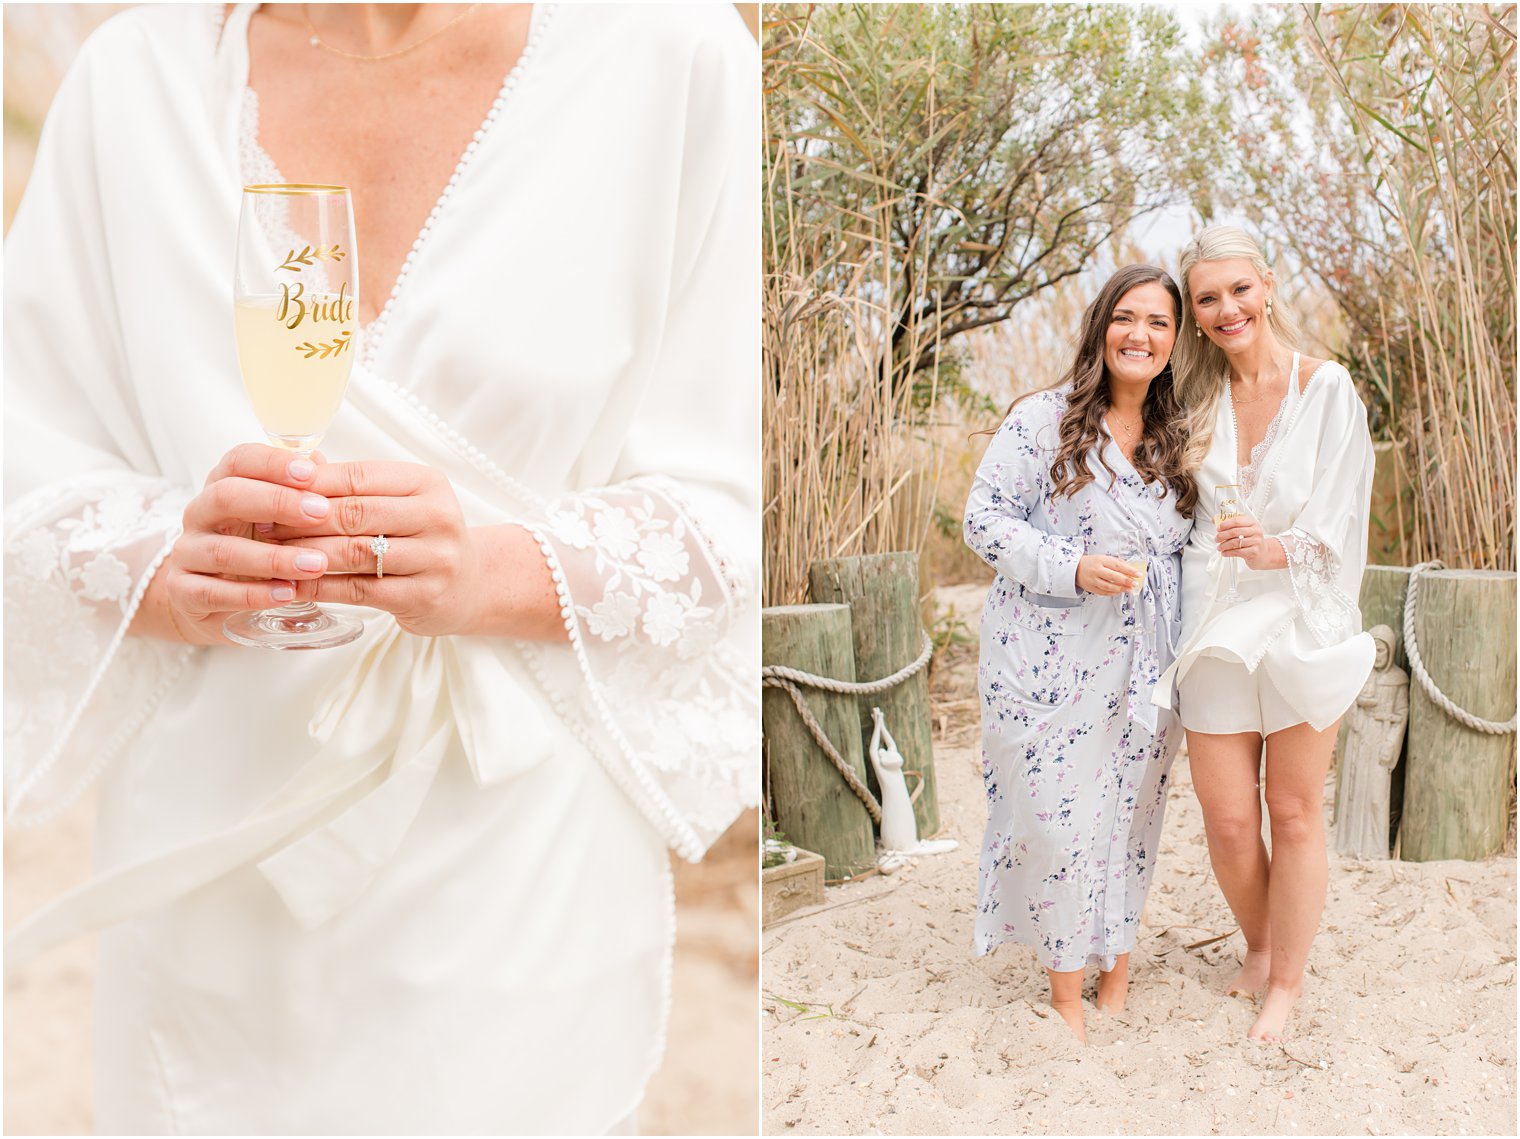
point(882, 593)
point(813, 806)
point(1456, 793)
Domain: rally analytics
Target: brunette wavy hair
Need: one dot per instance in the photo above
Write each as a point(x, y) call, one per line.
point(1161, 454)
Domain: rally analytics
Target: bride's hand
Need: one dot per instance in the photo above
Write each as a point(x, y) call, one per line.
point(1241, 536)
point(217, 566)
point(434, 581)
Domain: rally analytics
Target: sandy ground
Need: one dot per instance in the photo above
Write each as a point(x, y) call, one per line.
point(1407, 1025)
point(706, 1085)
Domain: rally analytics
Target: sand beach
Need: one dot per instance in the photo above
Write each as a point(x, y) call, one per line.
point(878, 1018)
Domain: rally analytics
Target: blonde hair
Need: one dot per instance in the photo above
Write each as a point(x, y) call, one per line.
point(1200, 365)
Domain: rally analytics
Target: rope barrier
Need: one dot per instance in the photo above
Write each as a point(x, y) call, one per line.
point(1417, 666)
point(792, 680)
point(851, 687)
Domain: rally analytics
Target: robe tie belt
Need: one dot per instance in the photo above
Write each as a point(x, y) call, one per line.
point(1155, 639)
point(385, 729)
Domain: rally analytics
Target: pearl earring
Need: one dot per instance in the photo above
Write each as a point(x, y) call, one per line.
point(1269, 306)
point(1198, 331)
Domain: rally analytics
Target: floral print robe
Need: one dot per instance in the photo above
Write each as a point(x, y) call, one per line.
point(1075, 756)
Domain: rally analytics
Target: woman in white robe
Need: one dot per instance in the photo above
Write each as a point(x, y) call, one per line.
point(417, 884)
point(1075, 757)
point(1271, 671)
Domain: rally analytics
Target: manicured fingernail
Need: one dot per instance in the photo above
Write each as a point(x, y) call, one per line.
point(302, 469)
point(314, 505)
point(264, 527)
point(310, 563)
point(282, 593)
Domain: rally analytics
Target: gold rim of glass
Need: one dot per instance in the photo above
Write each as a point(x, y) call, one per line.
point(293, 188)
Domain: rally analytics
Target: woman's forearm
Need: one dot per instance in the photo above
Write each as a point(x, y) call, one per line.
point(515, 591)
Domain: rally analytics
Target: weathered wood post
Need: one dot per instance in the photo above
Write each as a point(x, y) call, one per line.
point(813, 805)
point(1382, 603)
point(882, 593)
point(1456, 794)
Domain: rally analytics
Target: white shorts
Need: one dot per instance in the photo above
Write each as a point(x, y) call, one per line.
point(1222, 697)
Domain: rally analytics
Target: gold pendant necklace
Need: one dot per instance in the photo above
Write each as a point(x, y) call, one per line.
point(318, 41)
point(1129, 432)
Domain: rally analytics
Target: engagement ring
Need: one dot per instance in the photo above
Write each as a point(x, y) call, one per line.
point(378, 546)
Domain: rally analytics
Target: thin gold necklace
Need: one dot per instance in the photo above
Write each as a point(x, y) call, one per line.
point(1253, 399)
point(318, 41)
point(1129, 432)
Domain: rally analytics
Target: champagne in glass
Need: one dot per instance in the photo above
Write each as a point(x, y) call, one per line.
point(1227, 504)
point(1130, 547)
point(295, 298)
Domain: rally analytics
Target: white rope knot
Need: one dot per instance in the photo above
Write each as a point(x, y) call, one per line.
point(1417, 666)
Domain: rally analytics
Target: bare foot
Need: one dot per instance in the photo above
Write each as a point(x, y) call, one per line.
point(1272, 1022)
point(1252, 977)
point(1113, 987)
point(1071, 1013)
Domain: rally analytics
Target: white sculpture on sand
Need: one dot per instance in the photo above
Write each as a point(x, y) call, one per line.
point(1374, 735)
point(899, 830)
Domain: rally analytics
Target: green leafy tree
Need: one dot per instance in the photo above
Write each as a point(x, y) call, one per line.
point(979, 152)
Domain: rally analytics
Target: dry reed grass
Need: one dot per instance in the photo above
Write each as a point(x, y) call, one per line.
point(845, 470)
point(1412, 228)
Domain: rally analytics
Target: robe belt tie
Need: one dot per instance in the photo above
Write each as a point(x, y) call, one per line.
point(1155, 641)
point(407, 704)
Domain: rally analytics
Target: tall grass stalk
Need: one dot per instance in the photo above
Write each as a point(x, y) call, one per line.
point(1433, 105)
point(847, 471)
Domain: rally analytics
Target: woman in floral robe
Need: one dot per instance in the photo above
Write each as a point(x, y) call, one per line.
point(1075, 755)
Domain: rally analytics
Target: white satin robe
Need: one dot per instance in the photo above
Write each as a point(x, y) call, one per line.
point(411, 885)
point(1301, 624)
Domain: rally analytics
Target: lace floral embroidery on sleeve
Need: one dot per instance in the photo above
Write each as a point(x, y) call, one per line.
point(77, 561)
point(648, 602)
point(643, 582)
point(1313, 567)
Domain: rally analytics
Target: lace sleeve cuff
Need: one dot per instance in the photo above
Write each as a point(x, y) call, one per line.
point(661, 672)
point(1313, 568)
point(78, 559)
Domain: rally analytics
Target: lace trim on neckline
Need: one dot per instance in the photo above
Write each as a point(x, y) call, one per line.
point(1248, 473)
point(257, 166)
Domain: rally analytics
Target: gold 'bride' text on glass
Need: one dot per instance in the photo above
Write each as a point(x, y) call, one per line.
point(296, 397)
point(295, 294)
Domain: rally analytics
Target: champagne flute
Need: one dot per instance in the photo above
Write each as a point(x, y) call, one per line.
point(295, 296)
point(1130, 547)
point(1228, 505)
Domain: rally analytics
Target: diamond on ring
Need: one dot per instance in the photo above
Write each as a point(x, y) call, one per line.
point(379, 547)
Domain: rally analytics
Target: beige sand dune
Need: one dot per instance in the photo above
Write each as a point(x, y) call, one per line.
point(1407, 1025)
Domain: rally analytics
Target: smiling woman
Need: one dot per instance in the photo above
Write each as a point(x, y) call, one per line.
point(418, 883)
point(1269, 665)
point(1083, 524)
